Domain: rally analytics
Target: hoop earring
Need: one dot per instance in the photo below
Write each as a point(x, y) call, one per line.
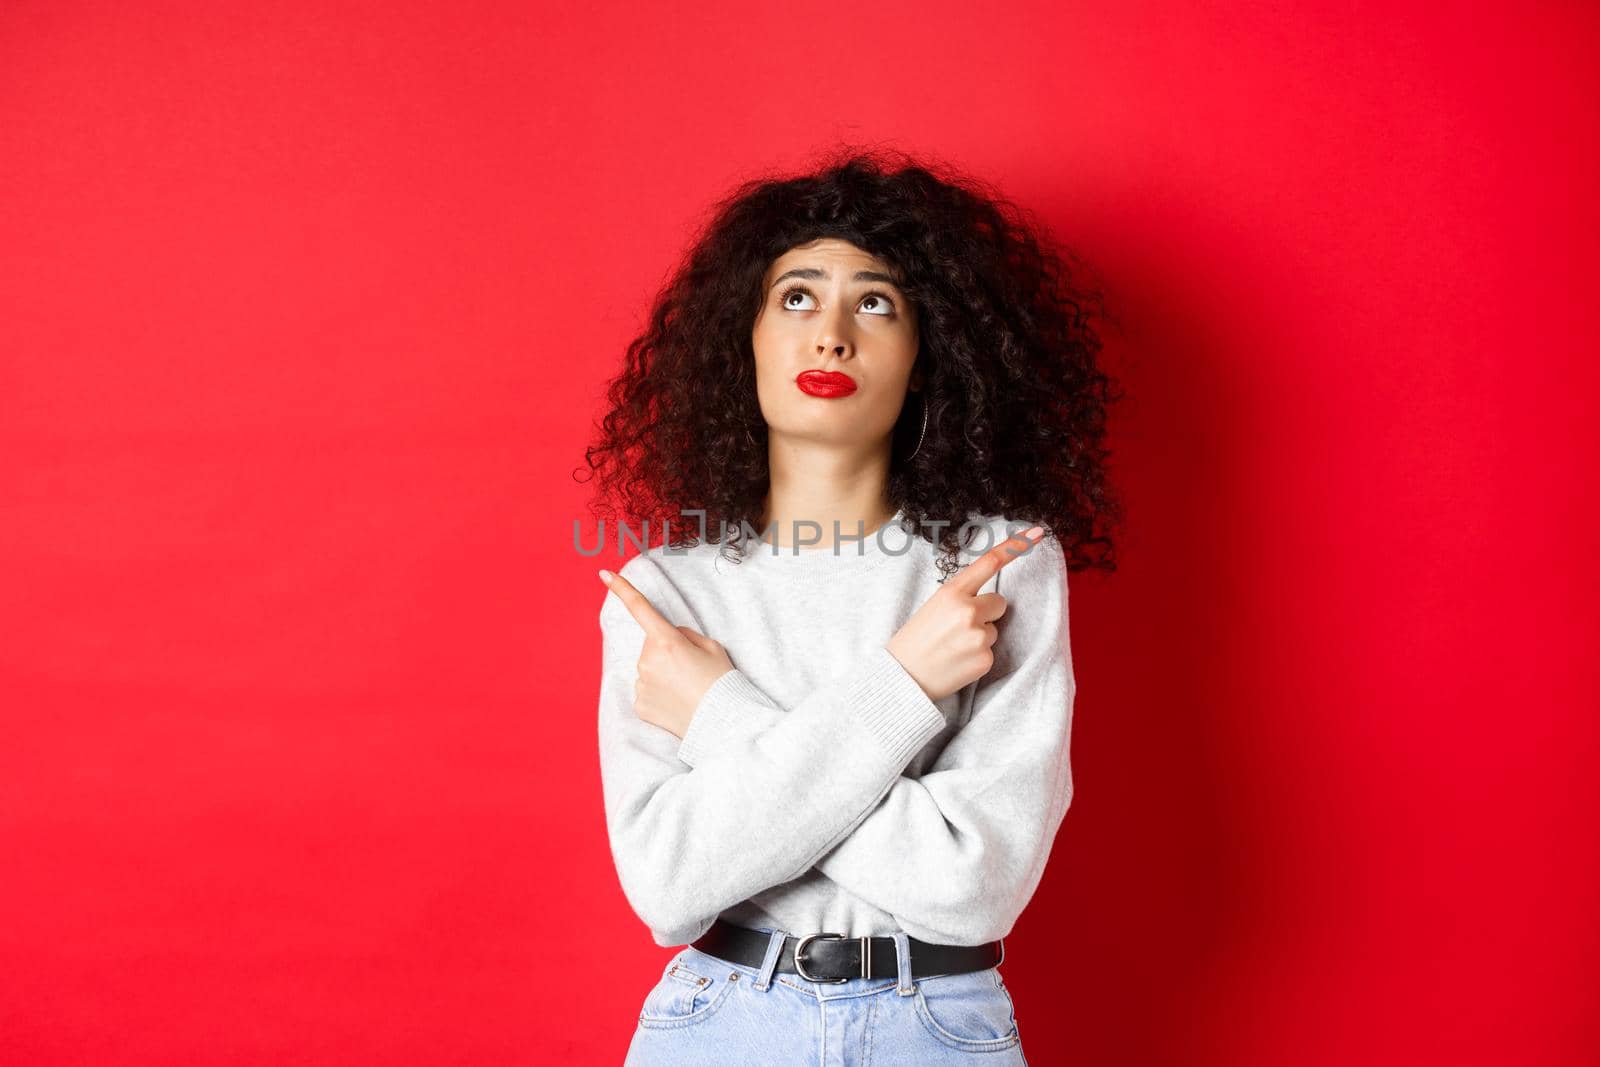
point(924, 432)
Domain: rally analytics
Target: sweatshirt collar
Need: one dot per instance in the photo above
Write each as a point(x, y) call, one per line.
point(851, 556)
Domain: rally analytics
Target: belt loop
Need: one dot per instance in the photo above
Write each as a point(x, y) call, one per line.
point(769, 963)
point(902, 954)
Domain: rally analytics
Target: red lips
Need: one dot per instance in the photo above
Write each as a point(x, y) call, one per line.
point(825, 383)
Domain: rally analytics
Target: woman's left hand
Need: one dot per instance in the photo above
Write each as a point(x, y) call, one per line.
point(676, 666)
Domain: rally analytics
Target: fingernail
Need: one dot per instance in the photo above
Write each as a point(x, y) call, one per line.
point(1034, 534)
point(605, 576)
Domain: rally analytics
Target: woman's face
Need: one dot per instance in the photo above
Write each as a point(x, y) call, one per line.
point(829, 307)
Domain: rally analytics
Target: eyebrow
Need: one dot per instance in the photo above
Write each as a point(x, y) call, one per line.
point(817, 274)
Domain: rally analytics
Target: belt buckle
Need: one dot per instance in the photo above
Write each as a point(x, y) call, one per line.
point(800, 948)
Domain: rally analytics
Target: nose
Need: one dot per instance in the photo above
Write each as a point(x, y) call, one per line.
point(832, 342)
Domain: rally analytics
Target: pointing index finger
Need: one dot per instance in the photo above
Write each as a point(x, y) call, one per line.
point(971, 577)
point(639, 606)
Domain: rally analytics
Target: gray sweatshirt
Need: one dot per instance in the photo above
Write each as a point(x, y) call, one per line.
point(817, 788)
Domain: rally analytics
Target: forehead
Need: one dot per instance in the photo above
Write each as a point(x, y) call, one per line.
point(826, 253)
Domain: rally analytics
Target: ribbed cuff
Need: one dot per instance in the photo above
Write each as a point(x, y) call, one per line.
point(893, 707)
point(717, 715)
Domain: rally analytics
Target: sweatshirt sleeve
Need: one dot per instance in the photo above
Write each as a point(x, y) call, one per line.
point(956, 854)
point(691, 841)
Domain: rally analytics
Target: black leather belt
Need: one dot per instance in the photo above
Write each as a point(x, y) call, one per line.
point(836, 958)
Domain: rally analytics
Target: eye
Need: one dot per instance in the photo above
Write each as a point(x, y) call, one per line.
point(878, 300)
point(796, 290)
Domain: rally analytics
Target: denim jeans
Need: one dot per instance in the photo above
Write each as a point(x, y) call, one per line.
point(705, 1011)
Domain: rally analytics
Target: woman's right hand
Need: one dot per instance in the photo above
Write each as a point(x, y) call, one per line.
point(947, 643)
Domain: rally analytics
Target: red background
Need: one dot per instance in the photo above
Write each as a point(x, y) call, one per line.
point(304, 319)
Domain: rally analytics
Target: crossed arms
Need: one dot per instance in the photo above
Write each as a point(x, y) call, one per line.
point(755, 794)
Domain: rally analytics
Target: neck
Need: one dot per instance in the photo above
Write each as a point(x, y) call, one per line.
point(811, 484)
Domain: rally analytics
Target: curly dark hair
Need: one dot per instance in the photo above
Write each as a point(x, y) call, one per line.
point(1015, 396)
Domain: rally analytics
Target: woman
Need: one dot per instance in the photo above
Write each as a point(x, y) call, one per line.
point(836, 701)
